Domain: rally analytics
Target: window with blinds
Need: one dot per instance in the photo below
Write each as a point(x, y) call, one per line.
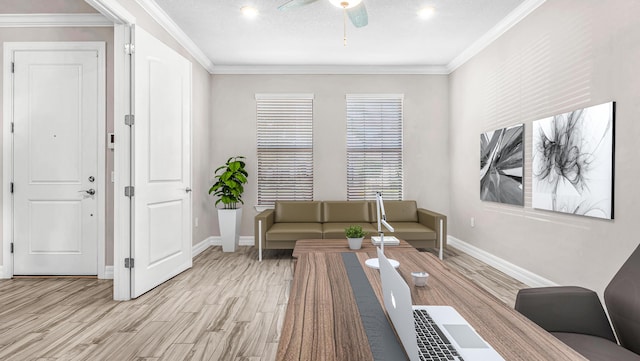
point(374, 146)
point(285, 147)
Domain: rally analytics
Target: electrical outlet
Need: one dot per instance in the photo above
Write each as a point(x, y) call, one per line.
point(473, 222)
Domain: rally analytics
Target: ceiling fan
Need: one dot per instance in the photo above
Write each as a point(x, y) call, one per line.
point(355, 9)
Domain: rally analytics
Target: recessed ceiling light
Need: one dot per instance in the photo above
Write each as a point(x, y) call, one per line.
point(426, 12)
point(346, 4)
point(249, 11)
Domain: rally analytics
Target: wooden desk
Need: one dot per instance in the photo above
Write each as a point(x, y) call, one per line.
point(322, 321)
point(341, 245)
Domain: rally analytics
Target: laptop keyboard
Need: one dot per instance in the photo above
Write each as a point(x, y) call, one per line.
point(433, 345)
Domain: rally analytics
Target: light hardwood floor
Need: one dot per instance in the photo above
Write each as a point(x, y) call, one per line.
point(227, 307)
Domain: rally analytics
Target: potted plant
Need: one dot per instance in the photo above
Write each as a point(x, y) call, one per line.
point(354, 234)
point(228, 188)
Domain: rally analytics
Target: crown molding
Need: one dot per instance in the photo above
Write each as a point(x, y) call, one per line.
point(53, 20)
point(328, 69)
point(113, 11)
point(492, 35)
point(151, 7)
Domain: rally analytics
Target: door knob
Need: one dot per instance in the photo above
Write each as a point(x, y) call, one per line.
point(89, 191)
point(188, 189)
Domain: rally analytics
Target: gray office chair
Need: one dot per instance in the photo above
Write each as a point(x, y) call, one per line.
point(576, 317)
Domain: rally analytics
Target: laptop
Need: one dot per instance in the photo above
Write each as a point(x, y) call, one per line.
point(459, 341)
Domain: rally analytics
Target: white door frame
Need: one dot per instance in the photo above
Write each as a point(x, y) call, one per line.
point(7, 137)
point(122, 99)
point(124, 34)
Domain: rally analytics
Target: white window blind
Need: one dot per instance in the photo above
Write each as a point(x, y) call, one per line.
point(285, 147)
point(374, 146)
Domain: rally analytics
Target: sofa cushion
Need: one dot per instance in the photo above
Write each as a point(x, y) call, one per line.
point(596, 348)
point(397, 211)
point(291, 211)
point(409, 231)
point(346, 211)
point(294, 231)
point(335, 230)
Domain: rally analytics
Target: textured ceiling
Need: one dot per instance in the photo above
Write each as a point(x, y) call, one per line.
point(312, 35)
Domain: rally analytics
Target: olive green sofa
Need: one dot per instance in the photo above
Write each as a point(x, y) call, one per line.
point(289, 221)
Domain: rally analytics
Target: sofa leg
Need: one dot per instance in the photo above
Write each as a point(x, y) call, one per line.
point(440, 254)
point(260, 240)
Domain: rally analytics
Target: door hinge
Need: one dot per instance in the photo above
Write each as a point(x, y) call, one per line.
point(13, 67)
point(129, 49)
point(12, 127)
point(129, 119)
point(128, 263)
point(11, 247)
point(129, 191)
point(11, 187)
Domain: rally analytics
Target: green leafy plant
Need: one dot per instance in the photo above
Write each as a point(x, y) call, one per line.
point(229, 180)
point(354, 232)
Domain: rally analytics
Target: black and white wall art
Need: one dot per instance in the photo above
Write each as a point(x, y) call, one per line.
point(501, 165)
point(572, 164)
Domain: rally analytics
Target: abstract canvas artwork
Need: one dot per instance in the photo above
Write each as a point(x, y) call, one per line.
point(573, 162)
point(501, 165)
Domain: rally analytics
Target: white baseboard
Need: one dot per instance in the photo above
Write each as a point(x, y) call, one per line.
point(244, 241)
point(529, 278)
point(201, 247)
point(217, 241)
point(247, 241)
point(108, 273)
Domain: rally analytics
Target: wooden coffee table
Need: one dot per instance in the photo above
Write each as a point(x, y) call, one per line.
point(305, 246)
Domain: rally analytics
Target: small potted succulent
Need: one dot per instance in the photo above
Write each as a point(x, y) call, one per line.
point(354, 235)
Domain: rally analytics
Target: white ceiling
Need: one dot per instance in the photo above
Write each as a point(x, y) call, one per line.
point(312, 35)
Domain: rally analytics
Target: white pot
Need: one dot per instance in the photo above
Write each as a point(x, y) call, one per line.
point(355, 243)
point(229, 220)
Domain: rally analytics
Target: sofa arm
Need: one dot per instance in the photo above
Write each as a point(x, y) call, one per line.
point(565, 309)
point(267, 217)
point(432, 220)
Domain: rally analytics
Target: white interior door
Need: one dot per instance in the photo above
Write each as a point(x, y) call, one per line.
point(162, 164)
point(56, 177)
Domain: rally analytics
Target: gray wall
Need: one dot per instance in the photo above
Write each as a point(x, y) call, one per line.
point(566, 55)
point(426, 158)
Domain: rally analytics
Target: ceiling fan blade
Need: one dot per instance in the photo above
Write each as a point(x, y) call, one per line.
point(295, 4)
point(358, 15)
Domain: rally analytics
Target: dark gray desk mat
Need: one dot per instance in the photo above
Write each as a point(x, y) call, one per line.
point(382, 339)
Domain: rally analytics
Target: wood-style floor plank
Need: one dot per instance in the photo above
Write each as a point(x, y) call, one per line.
point(228, 306)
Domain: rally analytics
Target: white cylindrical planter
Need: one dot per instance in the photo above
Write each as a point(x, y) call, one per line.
point(355, 243)
point(230, 220)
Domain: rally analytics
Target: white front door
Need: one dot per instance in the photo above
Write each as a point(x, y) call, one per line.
point(162, 164)
point(55, 168)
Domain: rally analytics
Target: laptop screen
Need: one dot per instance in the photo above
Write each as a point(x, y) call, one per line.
point(397, 302)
